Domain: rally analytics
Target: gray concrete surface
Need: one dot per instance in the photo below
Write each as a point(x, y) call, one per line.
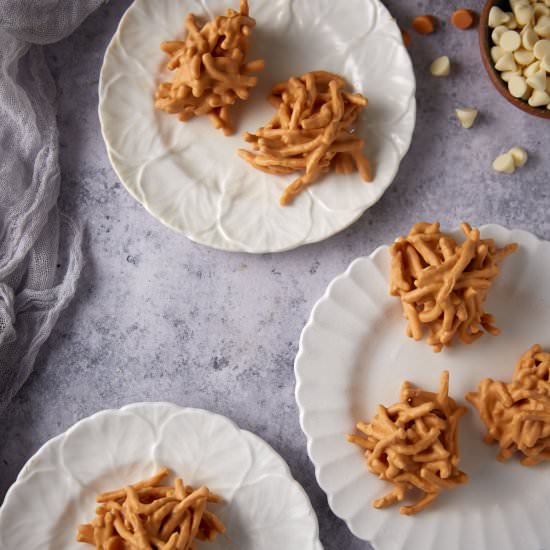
point(157, 317)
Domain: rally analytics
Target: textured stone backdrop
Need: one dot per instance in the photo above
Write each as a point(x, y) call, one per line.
point(157, 317)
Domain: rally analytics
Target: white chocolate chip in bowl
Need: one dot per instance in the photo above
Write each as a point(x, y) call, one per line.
point(517, 85)
point(542, 48)
point(523, 13)
point(512, 23)
point(524, 57)
point(532, 69)
point(506, 63)
point(537, 81)
point(497, 33)
point(510, 41)
point(441, 66)
point(541, 9)
point(466, 116)
point(519, 42)
point(497, 17)
point(504, 163)
point(508, 75)
point(542, 28)
point(529, 38)
point(497, 52)
point(539, 99)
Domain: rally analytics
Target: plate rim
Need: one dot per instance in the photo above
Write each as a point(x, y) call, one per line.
point(311, 322)
point(27, 467)
point(412, 111)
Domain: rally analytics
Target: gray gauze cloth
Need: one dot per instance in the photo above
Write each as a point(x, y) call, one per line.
point(33, 289)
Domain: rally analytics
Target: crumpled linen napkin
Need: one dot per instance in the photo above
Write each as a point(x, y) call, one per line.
point(33, 291)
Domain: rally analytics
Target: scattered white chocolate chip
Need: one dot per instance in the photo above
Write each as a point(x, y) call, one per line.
point(529, 38)
point(519, 154)
point(510, 41)
point(506, 63)
point(497, 33)
point(542, 48)
point(466, 116)
point(504, 163)
point(545, 63)
point(539, 99)
point(497, 17)
point(524, 57)
point(538, 81)
point(497, 52)
point(517, 86)
point(441, 66)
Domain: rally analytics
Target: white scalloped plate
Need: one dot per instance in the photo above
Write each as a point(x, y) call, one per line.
point(354, 354)
point(264, 507)
point(189, 176)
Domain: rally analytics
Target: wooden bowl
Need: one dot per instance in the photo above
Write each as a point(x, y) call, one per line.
point(485, 44)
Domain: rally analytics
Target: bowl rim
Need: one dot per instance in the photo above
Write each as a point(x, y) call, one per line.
point(494, 75)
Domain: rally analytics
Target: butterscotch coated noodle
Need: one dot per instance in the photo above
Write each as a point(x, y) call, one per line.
point(149, 516)
point(443, 284)
point(517, 414)
point(312, 131)
point(210, 71)
point(414, 445)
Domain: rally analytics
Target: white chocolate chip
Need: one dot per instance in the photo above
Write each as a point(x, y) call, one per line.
point(538, 81)
point(542, 28)
point(519, 154)
point(508, 75)
point(504, 163)
point(542, 48)
point(529, 38)
point(497, 52)
point(497, 17)
point(441, 66)
point(527, 94)
point(532, 69)
point(524, 57)
point(497, 33)
point(523, 13)
point(466, 116)
point(517, 86)
point(506, 63)
point(541, 9)
point(512, 23)
point(538, 99)
point(510, 41)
